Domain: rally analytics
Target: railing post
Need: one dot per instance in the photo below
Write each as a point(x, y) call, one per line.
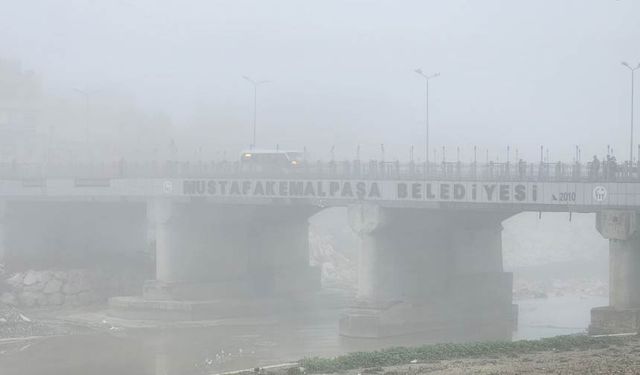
point(357, 168)
point(347, 168)
point(373, 169)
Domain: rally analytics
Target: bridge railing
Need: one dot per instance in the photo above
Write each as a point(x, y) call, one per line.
point(506, 171)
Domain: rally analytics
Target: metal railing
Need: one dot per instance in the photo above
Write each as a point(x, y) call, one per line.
point(458, 171)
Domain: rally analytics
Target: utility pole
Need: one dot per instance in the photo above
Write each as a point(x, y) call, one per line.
point(255, 85)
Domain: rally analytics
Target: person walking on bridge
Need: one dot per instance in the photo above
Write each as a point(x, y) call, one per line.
point(522, 168)
point(612, 167)
point(595, 167)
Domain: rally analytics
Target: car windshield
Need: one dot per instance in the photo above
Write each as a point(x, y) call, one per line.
point(295, 156)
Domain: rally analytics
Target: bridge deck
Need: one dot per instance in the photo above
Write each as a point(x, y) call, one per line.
point(506, 186)
point(359, 170)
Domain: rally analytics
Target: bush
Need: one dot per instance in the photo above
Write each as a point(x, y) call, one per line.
point(428, 353)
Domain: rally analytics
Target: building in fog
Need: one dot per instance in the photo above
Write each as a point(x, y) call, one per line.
point(20, 104)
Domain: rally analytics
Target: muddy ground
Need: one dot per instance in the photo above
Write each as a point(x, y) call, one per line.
point(620, 355)
point(615, 360)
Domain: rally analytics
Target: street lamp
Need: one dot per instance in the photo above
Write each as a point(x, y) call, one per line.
point(255, 105)
point(427, 78)
point(633, 70)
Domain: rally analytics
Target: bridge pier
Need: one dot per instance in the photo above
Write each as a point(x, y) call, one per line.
point(623, 313)
point(225, 260)
point(198, 255)
point(429, 270)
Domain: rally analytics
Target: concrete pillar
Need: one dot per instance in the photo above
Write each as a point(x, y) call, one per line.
point(624, 273)
point(201, 251)
point(402, 255)
point(480, 287)
point(375, 274)
point(216, 260)
point(278, 259)
point(623, 313)
point(223, 260)
point(425, 269)
point(159, 214)
point(477, 243)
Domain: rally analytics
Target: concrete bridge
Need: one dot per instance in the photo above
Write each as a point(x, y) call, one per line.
point(232, 240)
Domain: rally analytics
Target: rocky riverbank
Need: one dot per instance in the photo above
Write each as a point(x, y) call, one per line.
point(71, 287)
point(14, 324)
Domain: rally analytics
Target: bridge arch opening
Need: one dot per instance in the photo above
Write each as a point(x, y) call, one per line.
point(560, 267)
point(559, 263)
point(333, 248)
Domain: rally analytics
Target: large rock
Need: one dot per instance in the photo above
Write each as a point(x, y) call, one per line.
point(77, 282)
point(71, 300)
point(87, 298)
point(55, 299)
point(35, 288)
point(15, 281)
point(8, 299)
point(53, 286)
point(34, 278)
point(70, 287)
point(30, 299)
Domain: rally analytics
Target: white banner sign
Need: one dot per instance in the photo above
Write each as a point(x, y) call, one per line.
point(432, 191)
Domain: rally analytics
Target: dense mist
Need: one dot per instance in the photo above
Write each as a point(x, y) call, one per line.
point(524, 74)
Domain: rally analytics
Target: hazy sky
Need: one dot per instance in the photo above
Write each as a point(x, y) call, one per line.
point(523, 73)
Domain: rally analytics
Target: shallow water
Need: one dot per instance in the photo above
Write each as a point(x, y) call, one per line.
point(555, 315)
point(210, 350)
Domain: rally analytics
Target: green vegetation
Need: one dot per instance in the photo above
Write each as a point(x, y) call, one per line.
point(429, 353)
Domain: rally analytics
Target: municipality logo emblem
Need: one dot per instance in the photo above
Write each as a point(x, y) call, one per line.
point(167, 187)
point(599, 193)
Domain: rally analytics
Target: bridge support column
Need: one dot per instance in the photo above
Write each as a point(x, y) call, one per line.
point(217, 260)
point(278, 254)
point(201, 251)
point(427, 270)
point(167, 257)
point(623, 313)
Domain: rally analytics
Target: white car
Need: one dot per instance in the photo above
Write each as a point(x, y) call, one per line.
point(271, 160)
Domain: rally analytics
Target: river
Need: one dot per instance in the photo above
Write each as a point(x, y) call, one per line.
point(214, 349)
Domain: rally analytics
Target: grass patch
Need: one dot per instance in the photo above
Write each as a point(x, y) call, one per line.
point(404, 355)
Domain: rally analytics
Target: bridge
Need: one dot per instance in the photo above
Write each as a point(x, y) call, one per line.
point(231, 239)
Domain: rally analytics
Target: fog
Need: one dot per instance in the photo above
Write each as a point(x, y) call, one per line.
point(524, 74)
point(143, 229)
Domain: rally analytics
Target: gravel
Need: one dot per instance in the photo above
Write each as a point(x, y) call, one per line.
point(15, 324)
